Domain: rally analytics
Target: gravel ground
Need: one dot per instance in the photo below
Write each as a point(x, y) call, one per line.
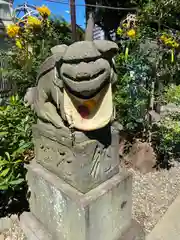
point(153, 193)
point(15, 233)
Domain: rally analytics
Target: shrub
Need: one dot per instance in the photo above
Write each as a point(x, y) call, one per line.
point(148, 71)
point(15, 140)
point(172, 94)
point(135, 76)
point(166, 139)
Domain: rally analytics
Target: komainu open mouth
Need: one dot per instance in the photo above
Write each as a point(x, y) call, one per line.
point(86, 93)
point(84, 77)
point(86, 88)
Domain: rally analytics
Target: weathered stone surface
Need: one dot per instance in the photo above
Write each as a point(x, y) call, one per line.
point(134, 232)
point(103, 213)
point(32, 228)
point(105, 46)
point(84, 160)
point(82, 68)
point(75, 52)
point(60, 49)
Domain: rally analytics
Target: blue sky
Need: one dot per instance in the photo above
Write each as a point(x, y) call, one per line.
point(60, 9)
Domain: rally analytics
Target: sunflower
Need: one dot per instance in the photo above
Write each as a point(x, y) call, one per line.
point(169, 41)
point(33, 21)
point(44, 11)
point(13, 30)
point(163, 38)
point(131, 33)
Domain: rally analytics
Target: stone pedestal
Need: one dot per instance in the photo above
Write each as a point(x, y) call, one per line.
point(82, 159)
point(64, 213)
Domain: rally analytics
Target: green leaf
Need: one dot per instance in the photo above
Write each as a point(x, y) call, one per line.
point(3, 187)
point(18, 161)
point(3, 162)
point(16, 182)
point(5, 172)
point(8, 156)
point(21, 149)
point(3, 133)
point(7, 179)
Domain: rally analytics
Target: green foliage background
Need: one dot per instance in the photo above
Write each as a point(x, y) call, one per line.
point(149, 75)
point(15, 139)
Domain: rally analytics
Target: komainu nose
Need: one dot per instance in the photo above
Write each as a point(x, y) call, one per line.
point(82, 75)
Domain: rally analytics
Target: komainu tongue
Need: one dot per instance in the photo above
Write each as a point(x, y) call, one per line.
point(83, 111)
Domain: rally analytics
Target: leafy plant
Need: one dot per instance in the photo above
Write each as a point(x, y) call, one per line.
point(147, 64)
point(172, 94)
point(11, 172)
point(135, 75)
point(166, 139)
point(160, 13)
point(15, 140)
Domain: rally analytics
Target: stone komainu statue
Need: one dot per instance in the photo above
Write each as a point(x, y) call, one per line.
point(74, 137)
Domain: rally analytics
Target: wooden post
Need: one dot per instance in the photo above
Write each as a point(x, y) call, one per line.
point(73, 19)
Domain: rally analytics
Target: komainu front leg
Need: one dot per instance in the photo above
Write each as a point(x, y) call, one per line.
point(48, 113)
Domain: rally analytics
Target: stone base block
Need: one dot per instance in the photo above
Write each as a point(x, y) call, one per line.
point(103, 213)
point(134, 232)
point(83, 160)
point(34, 230)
